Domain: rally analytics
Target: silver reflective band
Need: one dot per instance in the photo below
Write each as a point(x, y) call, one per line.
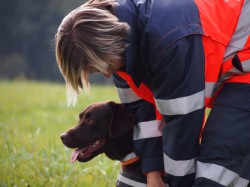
point(241, 33)
point(130, 182)
point(210, 88)
point(246, 65)
point(232, 72)
point(228, 75)
point(219, 174)
point(128, 157)
point(182, 105)
point(127, 95)
point(179, 167)
point(148, 129)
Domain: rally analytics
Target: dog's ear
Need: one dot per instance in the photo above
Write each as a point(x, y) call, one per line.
point(122, 121)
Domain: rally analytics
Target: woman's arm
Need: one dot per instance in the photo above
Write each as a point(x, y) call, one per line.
point(147, 133)
point(179, 90)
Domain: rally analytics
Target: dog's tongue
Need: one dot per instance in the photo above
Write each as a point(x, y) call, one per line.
point(87, 151)
point(76, 153)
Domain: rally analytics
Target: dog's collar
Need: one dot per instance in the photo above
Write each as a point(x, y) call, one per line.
point(129, 159)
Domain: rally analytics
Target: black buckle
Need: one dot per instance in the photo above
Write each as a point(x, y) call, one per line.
point(237, 64)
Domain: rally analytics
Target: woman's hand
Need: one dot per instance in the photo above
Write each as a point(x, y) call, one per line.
point(154, 179)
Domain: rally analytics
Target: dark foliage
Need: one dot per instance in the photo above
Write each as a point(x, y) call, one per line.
point(27, 35)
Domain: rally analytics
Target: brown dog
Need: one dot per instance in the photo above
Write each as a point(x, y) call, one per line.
point(106, 127)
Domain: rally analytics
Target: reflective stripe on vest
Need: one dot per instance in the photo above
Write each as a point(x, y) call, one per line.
point(127, 95)
point(226, 33)
point(130, 182)
point(182, 105)
point(219, 174)
point(179, 167)
point(142, 91)
point(240, 37)
point(243, 58)
point(148, 129)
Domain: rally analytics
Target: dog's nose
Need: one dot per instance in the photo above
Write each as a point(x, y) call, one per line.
point(63, 136)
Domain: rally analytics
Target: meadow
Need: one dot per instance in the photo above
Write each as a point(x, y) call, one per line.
point(32, 117)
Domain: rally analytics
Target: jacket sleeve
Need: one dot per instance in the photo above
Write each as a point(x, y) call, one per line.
point(147, 136)
point(178, 88)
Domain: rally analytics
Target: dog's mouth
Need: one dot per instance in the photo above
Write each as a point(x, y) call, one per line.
point(86, 152)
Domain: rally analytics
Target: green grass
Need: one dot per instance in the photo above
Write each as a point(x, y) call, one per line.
point(32, 117)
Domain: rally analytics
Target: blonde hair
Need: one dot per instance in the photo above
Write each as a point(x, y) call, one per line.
point(89, 38)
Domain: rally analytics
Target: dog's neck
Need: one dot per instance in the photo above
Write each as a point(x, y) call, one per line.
point(120, 147)
point(132, 164)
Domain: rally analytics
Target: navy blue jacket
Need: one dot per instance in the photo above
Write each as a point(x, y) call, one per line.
point(166, 54)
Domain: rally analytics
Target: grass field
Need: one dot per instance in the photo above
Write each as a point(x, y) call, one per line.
point(32, 117)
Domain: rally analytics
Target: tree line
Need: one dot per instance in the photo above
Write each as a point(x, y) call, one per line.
point(27, 34)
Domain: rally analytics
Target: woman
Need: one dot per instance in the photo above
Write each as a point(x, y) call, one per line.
point(170, 60)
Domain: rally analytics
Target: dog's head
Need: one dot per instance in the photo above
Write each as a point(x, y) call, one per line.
point(103, 128)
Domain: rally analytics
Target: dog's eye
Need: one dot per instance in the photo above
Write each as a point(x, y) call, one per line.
point(88, 119)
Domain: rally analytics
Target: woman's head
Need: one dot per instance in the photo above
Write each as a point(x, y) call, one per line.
point(89, 39)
